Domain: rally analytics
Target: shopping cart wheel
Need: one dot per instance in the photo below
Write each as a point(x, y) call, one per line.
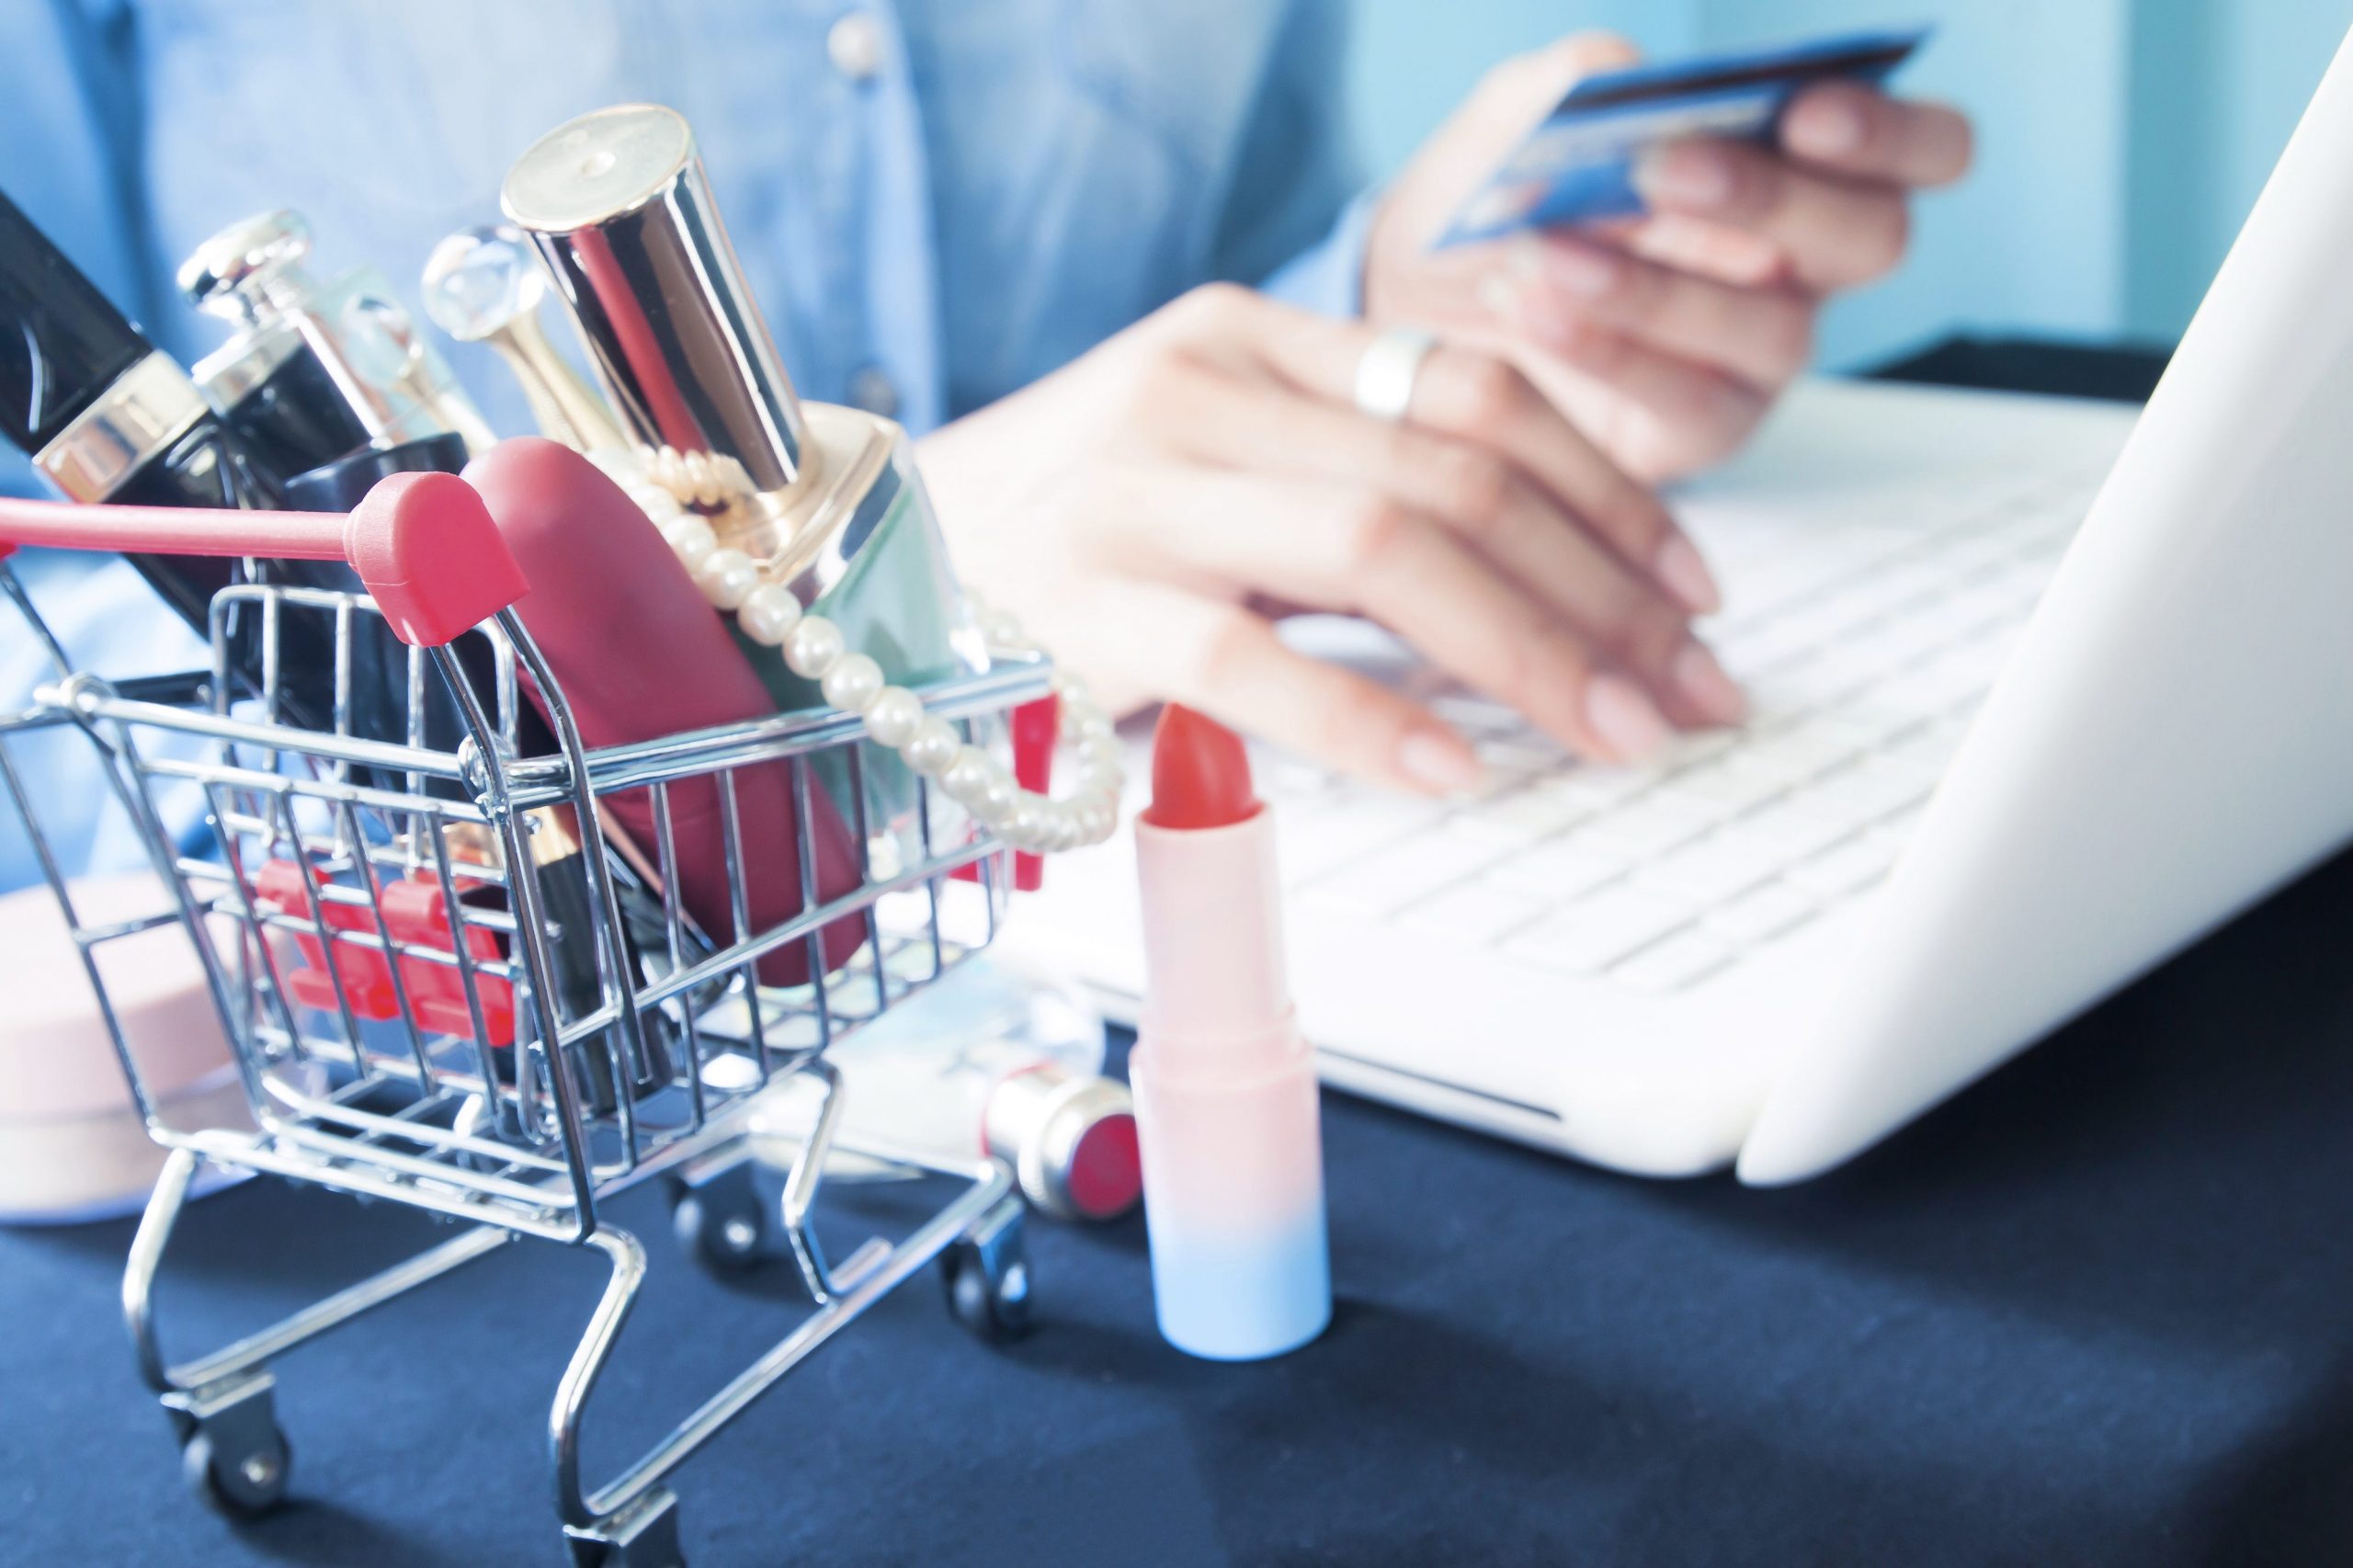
point(986, 1271)
point(719, 1221)
point(241, 1481)
point(233, 1454)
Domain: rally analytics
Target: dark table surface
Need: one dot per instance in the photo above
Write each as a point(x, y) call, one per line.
point(2099, 1310)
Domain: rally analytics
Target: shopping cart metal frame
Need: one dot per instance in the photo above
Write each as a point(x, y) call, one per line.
point(522, 1150)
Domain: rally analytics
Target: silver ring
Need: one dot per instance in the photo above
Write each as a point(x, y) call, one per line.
point(1385, 375)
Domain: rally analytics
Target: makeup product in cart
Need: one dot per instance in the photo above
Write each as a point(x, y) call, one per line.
point(103, 415)
point(567, 898)
point(329, 385)
point(314, 369)
point(108, 418)
point(380, 662)
point(642, 655)
point(822, 499)
point(1226, 1108)
point(568, 894)
point(485, 285)
point(338, 486)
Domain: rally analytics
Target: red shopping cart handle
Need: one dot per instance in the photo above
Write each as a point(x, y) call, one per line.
point(423, 544)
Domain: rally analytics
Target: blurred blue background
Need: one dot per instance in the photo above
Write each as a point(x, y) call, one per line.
point(2119, 142)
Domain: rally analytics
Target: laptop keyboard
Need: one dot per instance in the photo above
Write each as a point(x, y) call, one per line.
point(1865, 645)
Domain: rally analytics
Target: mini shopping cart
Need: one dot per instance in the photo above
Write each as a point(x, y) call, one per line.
point(426, 1007)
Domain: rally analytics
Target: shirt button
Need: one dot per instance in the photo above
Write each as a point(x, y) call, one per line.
point(854, 44)
point(870, 390)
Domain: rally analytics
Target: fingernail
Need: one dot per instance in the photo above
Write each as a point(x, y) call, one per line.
point(1824, 126)
point(1687, 175)
point(1582, 270)
point(1704, 685)
point(1438, 762)
point(1629, 723)
point(1683, 572)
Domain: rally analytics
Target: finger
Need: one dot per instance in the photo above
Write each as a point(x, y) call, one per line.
point(1358, 550)
point(1322, 540)
point(1698, 413)
point(1838, 232)
point(1471, 484)
point(1711, 250)
point(1850, 129)
point(1552, 284)
point(1228, 662)
point(1480, 399)
point(1763, 335)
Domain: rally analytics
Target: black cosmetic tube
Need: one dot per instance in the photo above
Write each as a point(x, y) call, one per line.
point(103, 416)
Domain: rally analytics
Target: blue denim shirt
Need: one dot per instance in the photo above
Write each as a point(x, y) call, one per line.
point(935, 201)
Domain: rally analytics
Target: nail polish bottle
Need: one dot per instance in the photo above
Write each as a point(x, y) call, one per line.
point(825, 499)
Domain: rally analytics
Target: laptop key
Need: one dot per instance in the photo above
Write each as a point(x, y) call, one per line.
point(1791, 827)
point(1682, 959)
point(1388, 879)
point(1850, 867)
point(1761, 914)
point(1714, 867)
point(1729, 789)
point(1645, 828)
point(1472, 916)
point(1595, 932)
point(1790, 755)
point(1323, 834)
point(1895, 832)
point(1864, 794)
point(1537, 812)
point(1556, 871)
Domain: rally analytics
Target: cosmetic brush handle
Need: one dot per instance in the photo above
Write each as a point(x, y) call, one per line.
point(423, 544)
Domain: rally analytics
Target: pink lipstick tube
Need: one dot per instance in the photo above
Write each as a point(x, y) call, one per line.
point(1227, 1117)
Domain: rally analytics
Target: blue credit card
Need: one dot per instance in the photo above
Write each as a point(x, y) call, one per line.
point(1578, 167)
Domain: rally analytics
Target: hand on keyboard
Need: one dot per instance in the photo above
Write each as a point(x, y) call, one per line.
point(1867, 652)
point(1145, 509)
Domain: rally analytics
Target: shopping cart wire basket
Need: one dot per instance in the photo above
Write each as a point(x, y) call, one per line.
point(449, 980)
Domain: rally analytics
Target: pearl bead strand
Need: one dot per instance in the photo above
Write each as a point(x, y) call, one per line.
point(814, 649)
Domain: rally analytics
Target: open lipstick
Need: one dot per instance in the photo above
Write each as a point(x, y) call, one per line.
point(1226, 1110)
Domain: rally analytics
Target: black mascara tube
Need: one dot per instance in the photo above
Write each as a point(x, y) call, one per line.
point(108, 417)
point(102, 413)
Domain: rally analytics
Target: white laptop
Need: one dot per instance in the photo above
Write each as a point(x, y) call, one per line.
point(2000, 762)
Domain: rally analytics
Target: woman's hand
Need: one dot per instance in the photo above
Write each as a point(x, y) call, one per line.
point(1667, 337)
point(1147, 510)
